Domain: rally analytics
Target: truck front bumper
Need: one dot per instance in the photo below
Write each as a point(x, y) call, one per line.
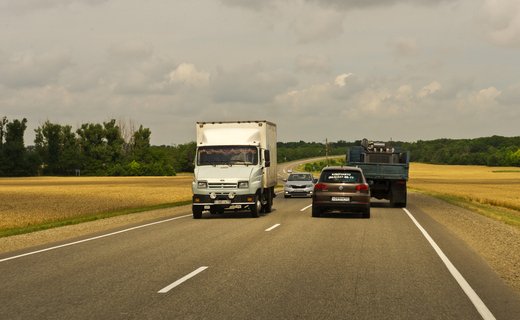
point(223, 199)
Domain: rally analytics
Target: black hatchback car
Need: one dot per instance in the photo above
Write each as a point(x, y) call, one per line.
point(342, 189)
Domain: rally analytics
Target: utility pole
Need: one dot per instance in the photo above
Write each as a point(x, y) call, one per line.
point(327, 151)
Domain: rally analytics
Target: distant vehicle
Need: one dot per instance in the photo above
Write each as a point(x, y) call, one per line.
point(384, 167)
point(235, 167)
point(342, 189)
point(299, 185)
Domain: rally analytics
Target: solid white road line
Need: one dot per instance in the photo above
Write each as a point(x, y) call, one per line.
point(271, 228)
point(307, 207)
point(472, 295)
point(93, 238)
point(181, 280)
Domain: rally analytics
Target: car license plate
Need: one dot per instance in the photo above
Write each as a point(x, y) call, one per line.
point(341, 199)
point(222, 201)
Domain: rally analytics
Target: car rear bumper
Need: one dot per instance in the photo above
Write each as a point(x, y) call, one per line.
point(298, 193)
point(352, 206)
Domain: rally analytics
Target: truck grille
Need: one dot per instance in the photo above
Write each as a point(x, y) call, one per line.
point(222, 185)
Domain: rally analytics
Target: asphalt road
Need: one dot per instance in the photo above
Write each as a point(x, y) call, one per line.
point(284, 265)
point(336, 267)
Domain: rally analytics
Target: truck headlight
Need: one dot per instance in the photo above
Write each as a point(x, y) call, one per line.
point(202, 184)
point(243, 184)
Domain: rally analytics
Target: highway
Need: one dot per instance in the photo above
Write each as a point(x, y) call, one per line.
point(283, 265)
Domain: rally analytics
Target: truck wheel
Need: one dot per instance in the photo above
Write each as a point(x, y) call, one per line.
point(197, 211)
point(316, 211)
point(256, 208)
point(267, 208)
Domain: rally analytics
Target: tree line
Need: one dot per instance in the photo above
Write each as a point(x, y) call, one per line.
point(115, 148)
point(95, 149)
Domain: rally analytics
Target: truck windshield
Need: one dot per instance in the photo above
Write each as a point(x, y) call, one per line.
point(230, 155)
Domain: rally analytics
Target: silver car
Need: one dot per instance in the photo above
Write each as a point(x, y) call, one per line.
point(299, 185)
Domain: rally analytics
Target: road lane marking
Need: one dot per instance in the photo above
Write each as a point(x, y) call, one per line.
point(181, 280)
point(273, 227)
point(93, 238)
point(307, 207)
point(472, 295)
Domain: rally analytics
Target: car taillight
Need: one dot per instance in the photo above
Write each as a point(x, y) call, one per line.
point(362, 187)
point(320, 187)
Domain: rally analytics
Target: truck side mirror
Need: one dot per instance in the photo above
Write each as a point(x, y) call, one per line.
point(267, 156)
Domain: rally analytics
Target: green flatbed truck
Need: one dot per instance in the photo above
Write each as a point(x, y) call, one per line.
point(385, 168)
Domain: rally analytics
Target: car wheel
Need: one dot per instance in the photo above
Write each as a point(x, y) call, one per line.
point(197, 211)
point(366, 214)
point(316, 211)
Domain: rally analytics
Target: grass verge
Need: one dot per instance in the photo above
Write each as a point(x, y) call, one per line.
point(508, 216)
point(86, 218)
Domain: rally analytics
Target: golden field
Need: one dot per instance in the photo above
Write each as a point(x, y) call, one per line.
point(498, 187)
point(37, 200)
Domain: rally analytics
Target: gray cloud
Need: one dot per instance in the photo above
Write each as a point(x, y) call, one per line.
point(337, 4)
point(330, 65)
point(502, 19)
point(510, 96)
point(312, 64)
point(317, 26)
point(250, 4)
point(29, 70)
point(250, 84)
point(352, 4)
point(404, 47)
point(26, 6)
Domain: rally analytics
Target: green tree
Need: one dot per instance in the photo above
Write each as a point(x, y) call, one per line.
point(94, 156)
point(15, 161)
point(57, 147)
point(141, 144)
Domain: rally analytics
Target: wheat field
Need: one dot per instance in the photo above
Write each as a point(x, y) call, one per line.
point(31, 201)
point(496, 186)
point(37, 200)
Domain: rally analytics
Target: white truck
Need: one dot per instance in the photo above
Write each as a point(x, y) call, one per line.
point(235, 167)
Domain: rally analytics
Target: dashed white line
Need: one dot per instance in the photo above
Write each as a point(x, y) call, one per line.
point(307, 207)
point(93, 238)
point(472, 295)
point(181, 280)
point(273, 227)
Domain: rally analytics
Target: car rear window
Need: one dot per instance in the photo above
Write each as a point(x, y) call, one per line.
point(300, 177)
point(341, 176)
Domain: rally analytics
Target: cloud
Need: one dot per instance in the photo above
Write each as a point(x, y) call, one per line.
point(187, 74)
point(250, 4)
point(130, 50)
point(26, 6)
point(429, 89)
point(30, 70)
point(250, 84)
point(317, 25)
point(510, 96)
point(341, 80)
point(336, 4)
point(502, 18)
point(404, 47)
point(312, 64)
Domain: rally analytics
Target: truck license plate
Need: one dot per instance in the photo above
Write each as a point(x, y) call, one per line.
point(342, 199)
point(222, 201)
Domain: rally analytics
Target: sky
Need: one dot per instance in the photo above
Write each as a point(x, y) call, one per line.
point(403, 70)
